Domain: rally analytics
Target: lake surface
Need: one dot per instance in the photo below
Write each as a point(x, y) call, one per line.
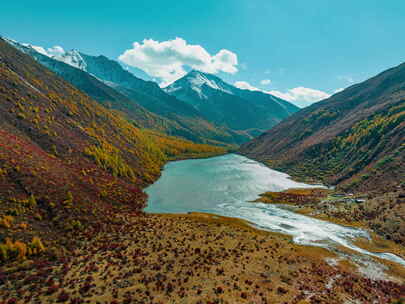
point(225, 185)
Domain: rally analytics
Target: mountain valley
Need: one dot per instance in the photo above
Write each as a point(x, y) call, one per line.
point(115, 190)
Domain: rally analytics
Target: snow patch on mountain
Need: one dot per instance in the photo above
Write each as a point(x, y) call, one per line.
point(201, 79)
point(196, 81)
point(72, 58)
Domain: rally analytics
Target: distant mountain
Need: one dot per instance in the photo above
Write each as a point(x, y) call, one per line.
point(199, 107)
point(73, 58)
point(156, 100)
point(143, 102)
point(354, 139)
point(229, 106)
point(72, 69)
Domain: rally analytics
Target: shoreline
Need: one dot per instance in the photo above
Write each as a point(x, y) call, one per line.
point(181, 158)
point(369, 245)
point(307, 211)
point(308, 207)
point(296, 178)
point(393, 269)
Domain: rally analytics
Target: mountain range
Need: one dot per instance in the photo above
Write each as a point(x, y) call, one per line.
point(177, 118)
point(229, 116)
point(352, 139)
point(226, 105)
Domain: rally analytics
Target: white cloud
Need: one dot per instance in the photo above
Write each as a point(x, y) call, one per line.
point(167, 60)
point(265, 82)
point(299, 96)
point(338, 90)
point(244, 85)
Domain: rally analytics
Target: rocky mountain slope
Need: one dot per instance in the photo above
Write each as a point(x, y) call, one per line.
point(354, 139)
point(229, 106)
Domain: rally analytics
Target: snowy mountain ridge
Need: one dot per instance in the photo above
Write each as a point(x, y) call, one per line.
point(72, 57)
point(196, 81)
point(229, 106)
point(195, 96)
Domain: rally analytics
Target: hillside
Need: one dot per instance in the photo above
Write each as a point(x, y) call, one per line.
point(226, 105)
point(354, 139)
point(142, 102)
point(65, 160)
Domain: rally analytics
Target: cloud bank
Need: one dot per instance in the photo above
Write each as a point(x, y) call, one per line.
point(168, 60)
point(244, 85)
point(300, 96)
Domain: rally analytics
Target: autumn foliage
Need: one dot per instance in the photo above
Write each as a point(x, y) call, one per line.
point(69, 165)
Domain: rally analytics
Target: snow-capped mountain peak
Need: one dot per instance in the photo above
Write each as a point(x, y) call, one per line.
point(72, 58)
point(196, 80)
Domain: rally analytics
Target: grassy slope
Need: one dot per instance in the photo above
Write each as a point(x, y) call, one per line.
point(368, 156)
point(353, 139)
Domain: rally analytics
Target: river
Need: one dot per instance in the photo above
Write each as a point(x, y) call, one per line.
point(226, 185)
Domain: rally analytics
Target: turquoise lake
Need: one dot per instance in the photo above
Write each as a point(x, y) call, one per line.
point(226, 185)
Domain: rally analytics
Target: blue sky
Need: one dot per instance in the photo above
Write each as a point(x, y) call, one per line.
point(290, 47)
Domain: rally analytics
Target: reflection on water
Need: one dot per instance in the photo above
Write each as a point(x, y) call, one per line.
point(223, 185)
